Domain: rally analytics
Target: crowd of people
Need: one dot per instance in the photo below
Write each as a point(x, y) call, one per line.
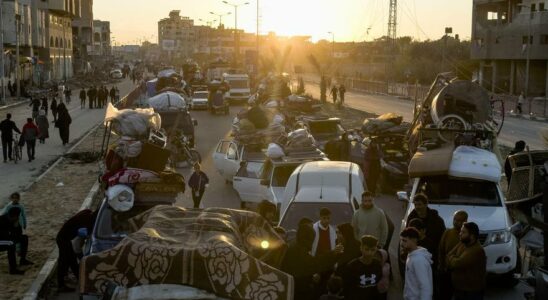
point(98, 97)
point(351, 260)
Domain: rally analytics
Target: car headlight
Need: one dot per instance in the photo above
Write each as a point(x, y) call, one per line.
point(500, 237)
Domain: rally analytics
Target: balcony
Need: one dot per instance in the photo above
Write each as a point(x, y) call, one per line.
point(62, 7)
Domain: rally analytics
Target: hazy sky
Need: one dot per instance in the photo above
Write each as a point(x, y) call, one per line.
point(133, 20)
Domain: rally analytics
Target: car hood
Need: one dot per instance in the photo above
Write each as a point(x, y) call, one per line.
point(488, 218)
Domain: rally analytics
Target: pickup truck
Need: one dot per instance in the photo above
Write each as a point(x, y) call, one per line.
point(229, 155)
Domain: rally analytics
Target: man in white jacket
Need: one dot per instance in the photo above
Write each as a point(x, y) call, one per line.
point(326, 235)
point(418, 267)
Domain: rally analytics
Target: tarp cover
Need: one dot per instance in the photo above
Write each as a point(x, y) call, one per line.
point(167, 101)
point(216, 249)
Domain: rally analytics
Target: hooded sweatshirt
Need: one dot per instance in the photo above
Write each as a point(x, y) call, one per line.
point(418, 276)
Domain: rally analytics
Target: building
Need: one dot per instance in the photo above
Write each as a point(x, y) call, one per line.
point(504, 34)
point(101, 39)
point(176, 36)
point(82, 35)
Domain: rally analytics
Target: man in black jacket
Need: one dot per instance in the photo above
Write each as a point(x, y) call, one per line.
point(434, 224)
point(7, 127)
point(10, 235)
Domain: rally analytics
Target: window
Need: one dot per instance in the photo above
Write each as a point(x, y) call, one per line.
point(492, 15)
point(544, 39)
point(524, 40)
point(541, 7)
point(51, 42)
point(453, 191)
point(533, 7)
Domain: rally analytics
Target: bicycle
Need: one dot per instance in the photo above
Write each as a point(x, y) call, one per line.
point(17, 150)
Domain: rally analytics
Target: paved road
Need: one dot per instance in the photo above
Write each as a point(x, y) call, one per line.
point(514, 129)
point(14, 177)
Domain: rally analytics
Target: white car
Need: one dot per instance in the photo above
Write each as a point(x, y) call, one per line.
point(116, 74)
point(199, 100)
point(229, 154)
point(333, 184)
point(471, 183)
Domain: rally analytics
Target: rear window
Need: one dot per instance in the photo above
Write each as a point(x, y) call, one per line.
point(340, 213)
point(446, 190)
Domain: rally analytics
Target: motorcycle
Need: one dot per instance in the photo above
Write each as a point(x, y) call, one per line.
point(184, 153)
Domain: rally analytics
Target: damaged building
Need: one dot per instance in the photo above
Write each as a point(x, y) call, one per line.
point(505, 35)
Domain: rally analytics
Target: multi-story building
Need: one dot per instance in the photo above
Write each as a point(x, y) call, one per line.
point(101, 39)
point(82, 35)
point(505, 35)
point(176, 35)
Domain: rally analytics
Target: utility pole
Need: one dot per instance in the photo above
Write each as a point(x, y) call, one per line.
point(236, 33)
point(257, 49)
point(528, 59)
point(64, 52)
point(332, 44)
point(17, 79)
point(2, 72)
point(391, 38)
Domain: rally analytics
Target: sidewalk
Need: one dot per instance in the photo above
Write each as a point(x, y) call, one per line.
point(13, 102)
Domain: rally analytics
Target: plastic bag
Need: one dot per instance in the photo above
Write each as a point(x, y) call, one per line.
point(120, 197)
point(132, 122)
point(274, 151)
point(128, 147)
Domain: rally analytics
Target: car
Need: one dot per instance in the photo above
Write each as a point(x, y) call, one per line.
point(199, 100)
point(229, 154)
point(270, 181)
point(322, 129)
point(116, 74)
point(470, 186)
point(111, 226)
point(336, 185)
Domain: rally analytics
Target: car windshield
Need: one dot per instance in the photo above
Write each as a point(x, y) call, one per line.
point(453, 191)
point(324, 128)
point(281, 175)
point(238, 84)
point(114, 225)
point(201, 95)
point(340, 213)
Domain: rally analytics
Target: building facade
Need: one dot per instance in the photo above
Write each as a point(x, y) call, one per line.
point(505, 35)
point(82, 35)
point(177, 36)
point(101, 39)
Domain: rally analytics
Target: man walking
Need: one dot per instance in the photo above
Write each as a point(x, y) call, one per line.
point(342, 91)
point(334, 93)
point(35, 103)
point(83, 98)
point(362, 275)
point(467, 264)
point(370, 220)
point(449, 240)
point(7, 127)
point(521, 100)
point(30, 134)
point(418, 269)
point(112, 94)
point(90, 97)
point(326, 235)
point(198, 183)
point(433, 223)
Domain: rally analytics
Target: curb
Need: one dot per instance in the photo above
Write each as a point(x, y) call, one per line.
point(13, 104)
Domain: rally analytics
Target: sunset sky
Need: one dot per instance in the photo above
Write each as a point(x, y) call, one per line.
point(134, 20)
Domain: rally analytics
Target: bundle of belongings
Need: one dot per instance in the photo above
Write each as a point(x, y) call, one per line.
point(298, 142)
point(168, 78)
point(384, 124)
point(257, 125)
point(231, 253)
point(137, 159)
point(302, 105)
point(167, 101)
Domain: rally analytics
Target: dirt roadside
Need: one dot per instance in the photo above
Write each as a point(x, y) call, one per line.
point(49, 202)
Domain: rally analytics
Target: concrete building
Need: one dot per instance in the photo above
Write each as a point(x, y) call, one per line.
point(82, 35)
point(177, 36)
point(101, 39)
point(504, 34)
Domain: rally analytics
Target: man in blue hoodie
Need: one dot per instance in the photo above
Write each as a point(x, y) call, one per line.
point(418, 269)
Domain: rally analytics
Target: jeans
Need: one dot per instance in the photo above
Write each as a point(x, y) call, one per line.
point(23, 241)
point(67, 259)
point(31, 147)
point(6, 147)
point(197, 197)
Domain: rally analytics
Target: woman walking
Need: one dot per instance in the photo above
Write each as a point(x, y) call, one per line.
point(43, 126)
point(198, 183)
point(63, 122)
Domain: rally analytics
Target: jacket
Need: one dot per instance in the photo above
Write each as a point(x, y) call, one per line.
point(7, 127)
point(435, 226)
point(418, 276)
point(467, 265)
point(30, 132)
point(372, 222)
point(332, 237)
point(198, 181)
point(8, 231)
point(449, 240)
point(22, 216)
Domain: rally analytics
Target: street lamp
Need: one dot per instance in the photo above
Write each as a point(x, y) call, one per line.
point(236, 33)
point(528, 53)
point(332, 44)
point(208, 23)
point(220, 16)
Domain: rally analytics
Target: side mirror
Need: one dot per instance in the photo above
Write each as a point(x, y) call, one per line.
point(402, 196)
point(265, 182)
point(195, 122)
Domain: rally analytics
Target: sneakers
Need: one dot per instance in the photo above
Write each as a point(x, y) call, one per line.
point(17, 272)
point(25, 262)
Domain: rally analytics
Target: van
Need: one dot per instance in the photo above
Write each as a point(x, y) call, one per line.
point(336, 185)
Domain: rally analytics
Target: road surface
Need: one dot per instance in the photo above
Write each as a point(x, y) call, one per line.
point(14, 177)
point(219, 194)
point(514, 129)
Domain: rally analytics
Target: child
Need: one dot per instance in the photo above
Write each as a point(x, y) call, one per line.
point(334, 289)
point(15, 197)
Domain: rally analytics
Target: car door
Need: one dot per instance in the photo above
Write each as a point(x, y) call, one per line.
point(248, 185)
point(219, 156)
point(231, 164)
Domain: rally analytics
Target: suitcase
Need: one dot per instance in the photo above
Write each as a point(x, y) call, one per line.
point(152, 158)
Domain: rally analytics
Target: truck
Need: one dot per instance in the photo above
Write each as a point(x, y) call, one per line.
point(239, 87)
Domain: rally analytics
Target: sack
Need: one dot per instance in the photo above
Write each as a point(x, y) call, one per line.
point(120, 197)
point(274, 151)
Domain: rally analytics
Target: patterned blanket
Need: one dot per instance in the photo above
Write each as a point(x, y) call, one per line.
point(228, 252)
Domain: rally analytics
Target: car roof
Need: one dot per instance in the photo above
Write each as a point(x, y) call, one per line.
point(326, 167)
point(315, 194)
